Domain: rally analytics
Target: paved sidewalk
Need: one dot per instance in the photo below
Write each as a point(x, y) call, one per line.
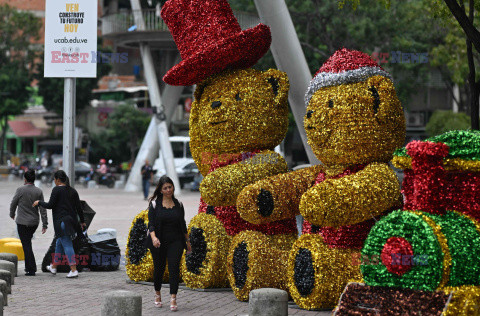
point(46, 294)
point(50, 295)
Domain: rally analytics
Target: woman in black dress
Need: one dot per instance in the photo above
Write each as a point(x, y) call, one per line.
point(65, 205)
point(169, 237)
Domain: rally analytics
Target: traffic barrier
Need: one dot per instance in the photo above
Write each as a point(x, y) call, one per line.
point(122, 303)
point(268, 302)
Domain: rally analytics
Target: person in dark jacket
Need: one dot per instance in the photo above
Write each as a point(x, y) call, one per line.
point(65, 205)
point(147, 176)
point(27, 218)
point(169, 237)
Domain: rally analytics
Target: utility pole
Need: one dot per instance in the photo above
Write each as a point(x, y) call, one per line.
point(69, 105)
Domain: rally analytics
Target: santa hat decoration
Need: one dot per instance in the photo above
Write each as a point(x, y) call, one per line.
point(344, 66)
point(210, 40)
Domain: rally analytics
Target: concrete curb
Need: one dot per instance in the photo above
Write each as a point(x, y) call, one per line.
point(122, 303)
point(7, 277)
point(4, 291)
point(12, 258)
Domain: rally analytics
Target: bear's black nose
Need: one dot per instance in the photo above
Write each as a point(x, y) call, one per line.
point(216, 104)
point(309, 114)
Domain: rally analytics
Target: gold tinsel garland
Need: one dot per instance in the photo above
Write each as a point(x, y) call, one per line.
point(257, 261)
point(213, 269)
point(450, 164)
point(343, 128)
point(236, 176)
point(333, 268)
point(290, 185)
point(465, 301)
point(337, 202)
point(143, 271)
point(251, 113)
point(347, 124)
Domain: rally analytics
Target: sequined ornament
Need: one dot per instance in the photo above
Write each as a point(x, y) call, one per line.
point(431, 249)
point(463, 145)
point(265, 202)
point(235, 112)
point(445, 249)
point(257, 261)
point(210, 40)
point(317, 274)
point(205, 266)
point(442, 173)
point(139, 261)
point(361, 299)
point(465, 301)
point(237, 118)
point(354, 122)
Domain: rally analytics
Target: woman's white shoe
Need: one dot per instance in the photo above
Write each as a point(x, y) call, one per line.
point(72, 274)
point(52, 270)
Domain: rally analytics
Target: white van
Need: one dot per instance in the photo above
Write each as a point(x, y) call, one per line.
point(182, 158)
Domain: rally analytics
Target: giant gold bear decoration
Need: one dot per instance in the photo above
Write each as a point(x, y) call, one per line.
point(354, 121)
point(237, 119)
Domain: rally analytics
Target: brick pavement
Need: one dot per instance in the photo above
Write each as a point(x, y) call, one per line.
point(50, 295)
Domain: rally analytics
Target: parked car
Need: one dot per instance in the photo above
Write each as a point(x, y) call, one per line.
point(45, 174)
point(195, 184)
point(186, 173)
point(82, 169)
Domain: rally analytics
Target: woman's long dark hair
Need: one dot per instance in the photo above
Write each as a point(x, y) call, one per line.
point(157, 194)
point(62, 176)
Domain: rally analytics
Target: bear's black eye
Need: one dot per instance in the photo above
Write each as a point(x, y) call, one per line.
point(376, 99)
point(274, 82)
point(237, 97)
point(330, 103)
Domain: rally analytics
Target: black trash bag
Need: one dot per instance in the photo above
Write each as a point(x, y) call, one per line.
point(82, 255)
point(104, 253)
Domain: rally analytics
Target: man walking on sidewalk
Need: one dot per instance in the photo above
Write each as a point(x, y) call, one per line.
point(28, 218)
point(147, 175)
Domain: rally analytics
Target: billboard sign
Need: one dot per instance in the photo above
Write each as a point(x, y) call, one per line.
point(70, 38)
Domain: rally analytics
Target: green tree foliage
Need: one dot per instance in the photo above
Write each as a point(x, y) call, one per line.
point(18, 32)
point(461, 18)
point(126, 127)
point(444, 121)
point(51, 89)
point(452, 53)
point(461, 50)
point(374, 26)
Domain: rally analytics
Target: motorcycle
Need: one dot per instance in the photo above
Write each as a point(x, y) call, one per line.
point(20, 169)
point(107, 179)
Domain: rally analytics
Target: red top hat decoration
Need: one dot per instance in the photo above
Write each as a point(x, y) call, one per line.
point(210, 40)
